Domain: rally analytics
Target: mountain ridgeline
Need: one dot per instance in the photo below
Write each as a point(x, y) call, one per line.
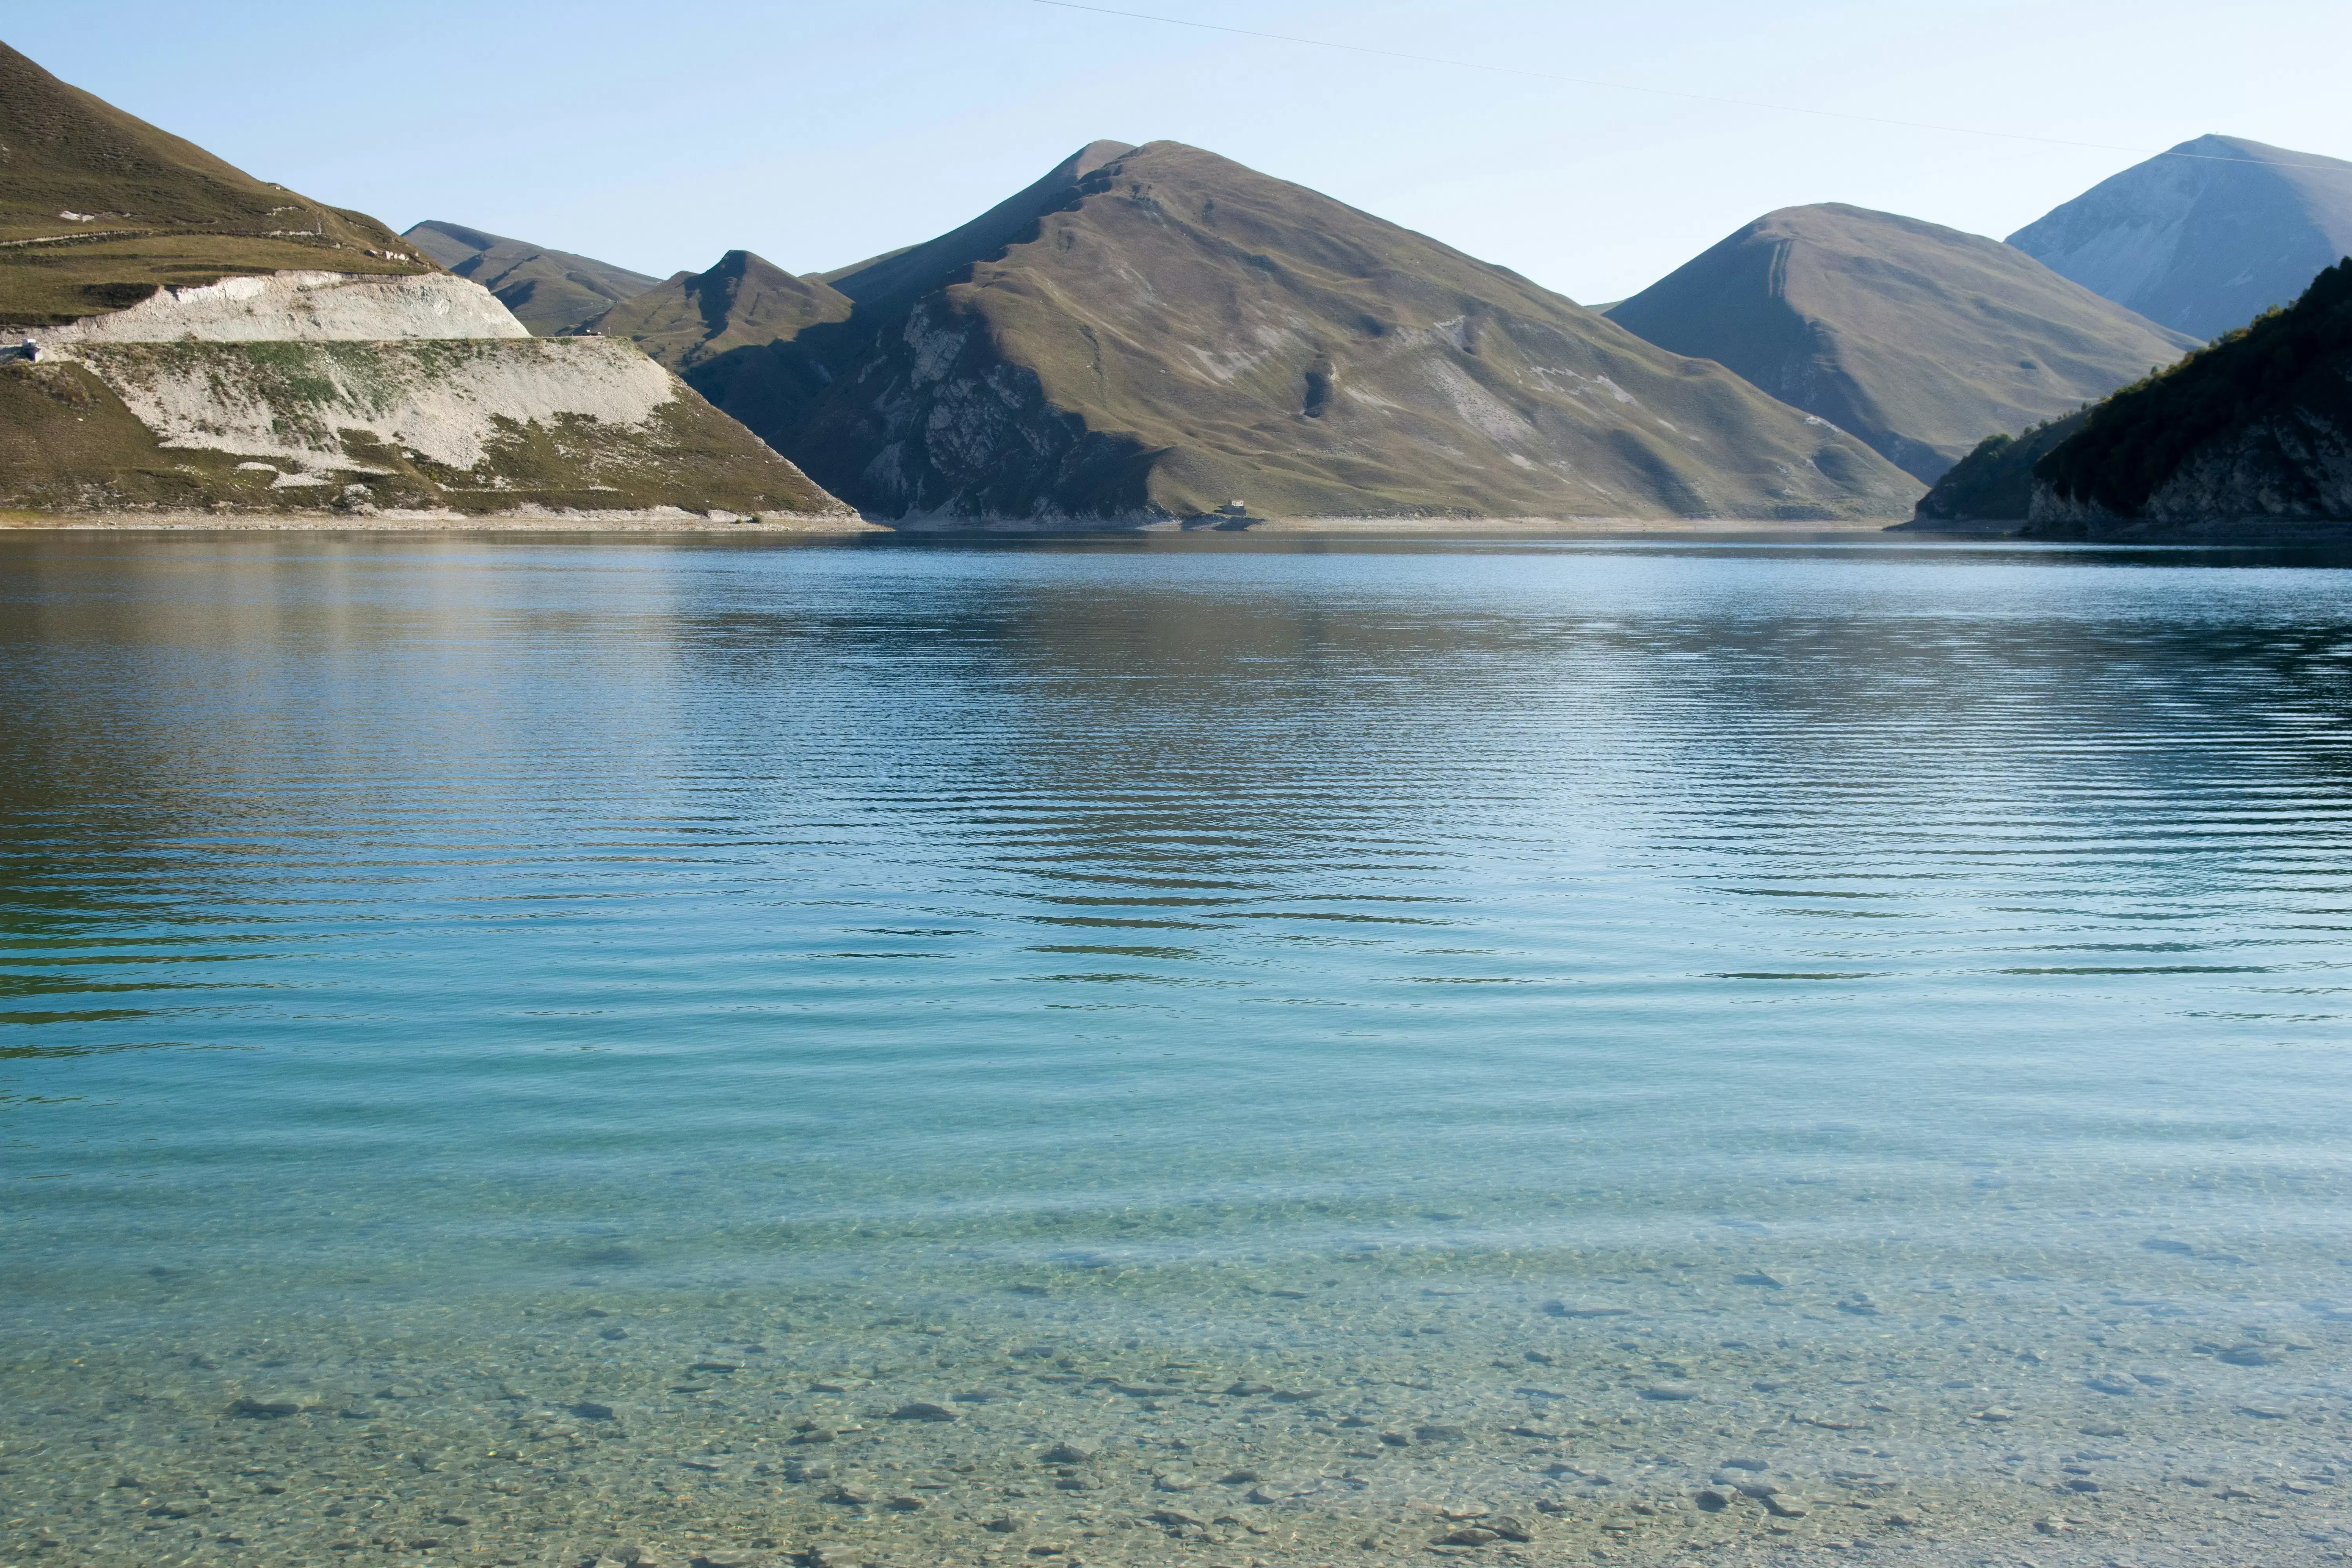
point(1919, 339)
point(2204, 237)
point(1153, 332)
point(550, 292)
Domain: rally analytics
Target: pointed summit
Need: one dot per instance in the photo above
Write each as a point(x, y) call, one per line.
point(899, 277)
point(1150, 332)
point(720, 328)
point(2205, 238)
point(1919, 338)
point(743, 300)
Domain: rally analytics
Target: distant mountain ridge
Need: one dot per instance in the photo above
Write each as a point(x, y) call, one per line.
point(550, 292)
point(1921, 339)
point(2205, 238)
point(744, 300)
point(1151, 332)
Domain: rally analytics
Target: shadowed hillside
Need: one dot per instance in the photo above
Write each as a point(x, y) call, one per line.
point(1993, 484)
point(98, 208)
point(1154, 331)
point(2204, 241)
point(2257, 427)
point(1921, 339)
point(550, 292)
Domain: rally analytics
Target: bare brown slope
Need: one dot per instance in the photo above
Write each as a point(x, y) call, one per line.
point(147, 208)
point(1921, 339)
point(1164, 331)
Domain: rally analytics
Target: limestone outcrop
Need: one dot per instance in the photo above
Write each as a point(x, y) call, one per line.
point(306, 389)
point(293, 307)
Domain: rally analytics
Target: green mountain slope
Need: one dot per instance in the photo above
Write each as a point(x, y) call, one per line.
point(97, 207)
point(550, 292)
point(1155, 332)
point(2258, 426)
point(1921, 339)
point(1994, 484)
point(2206, 238)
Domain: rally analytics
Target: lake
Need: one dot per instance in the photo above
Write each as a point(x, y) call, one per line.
point(1170, 1049)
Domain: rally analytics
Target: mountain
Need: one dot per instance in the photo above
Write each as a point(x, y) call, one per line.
point(694, 323)
point(1154, 331)
point(186, 353)
point(2205, 238)
point(2257, 427)
point(743, 302)
point(1993, 484)
point(98, 209)
point(1919, 339)
point(550, 292)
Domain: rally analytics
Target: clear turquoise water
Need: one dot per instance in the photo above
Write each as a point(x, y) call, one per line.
point(401, 939)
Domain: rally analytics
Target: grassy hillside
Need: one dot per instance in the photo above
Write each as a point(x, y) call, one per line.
point(1921, 339)
point(743, 302)
point(550, 292)
point(98, 208)
point(2276, 397)
point(1156, 331)
point(728, 331)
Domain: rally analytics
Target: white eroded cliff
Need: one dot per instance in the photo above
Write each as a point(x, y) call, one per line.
point(296, 306)
point(442, 401)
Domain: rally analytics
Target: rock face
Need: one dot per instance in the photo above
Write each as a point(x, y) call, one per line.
point(2255, 430)
point(2206, 238)
point(550, 292)
point(1921, 339)
point(298, 306)
point(1152, 332)
point(444, 402)
point(480, 426)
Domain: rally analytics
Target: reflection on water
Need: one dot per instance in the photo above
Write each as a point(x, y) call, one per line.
point(1170, 1051)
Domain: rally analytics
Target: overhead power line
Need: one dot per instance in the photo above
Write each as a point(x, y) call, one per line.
point(1658, 92)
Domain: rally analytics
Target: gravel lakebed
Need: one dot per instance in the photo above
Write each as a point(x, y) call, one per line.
point(1377, 1406)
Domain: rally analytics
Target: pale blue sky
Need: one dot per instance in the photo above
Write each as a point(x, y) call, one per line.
point(659, 136)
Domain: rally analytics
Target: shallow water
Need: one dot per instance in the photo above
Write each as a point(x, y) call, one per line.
point(525, 1051)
